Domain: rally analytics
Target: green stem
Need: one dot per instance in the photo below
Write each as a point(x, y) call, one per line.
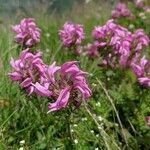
point(68, 131)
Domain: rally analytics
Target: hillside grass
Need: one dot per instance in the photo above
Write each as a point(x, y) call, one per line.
point(113, 118)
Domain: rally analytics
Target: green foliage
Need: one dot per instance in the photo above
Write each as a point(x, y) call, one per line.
point(94, 125)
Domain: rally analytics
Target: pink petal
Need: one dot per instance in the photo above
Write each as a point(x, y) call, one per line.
point(41, 90)
point(62, 100)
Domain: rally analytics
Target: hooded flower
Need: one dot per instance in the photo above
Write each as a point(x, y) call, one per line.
point(67, 84)
point(116, 45)
point(92, 50)
point(141, 71)
point(116, 39)
point(140, 39)
point(27, 33)
point(61, 101)
point(148, 120)
point(102, 33)
point(139, 3)
point(121, 10)
point(71, 34)
point(27, 70)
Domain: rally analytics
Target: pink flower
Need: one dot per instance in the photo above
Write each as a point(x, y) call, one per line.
point(145, 81)
point(99, 32)
point(121, 42)
point(27, 70)
point(141, 71)
point(147, 9)
point(121, 10)
point(140, 39)
point(27, 33)
point(67, 84)
point(115, 14)
point(102, 33)
point(148, 120)
point(92, 50)
point(71, 34)
point(61, 102)
point(139, 3)
point(41, 90)
point(115, 40)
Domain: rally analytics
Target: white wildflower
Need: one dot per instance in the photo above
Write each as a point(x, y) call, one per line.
point(21, 148)
point(76, 141)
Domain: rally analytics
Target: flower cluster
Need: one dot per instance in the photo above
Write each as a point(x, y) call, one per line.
point(27, 70)
point(118, 47)
point(116, 44)
point(27, 33)
point(139, 3)
point(63, 84)
point(69, 87)
point(121, 10)
point(148, 120)
point(72, 35)
point(141, 69)
point(140, 39)
point(116, 39)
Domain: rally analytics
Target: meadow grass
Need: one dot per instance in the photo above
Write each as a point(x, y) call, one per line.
point(112, 119)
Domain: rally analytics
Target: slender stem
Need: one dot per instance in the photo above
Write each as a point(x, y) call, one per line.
point(104, 135)
point(68, 130)
point(117, 114)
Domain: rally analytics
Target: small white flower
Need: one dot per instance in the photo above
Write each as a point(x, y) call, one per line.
point(47, 34)
point(84, 119)
point(21, 148)
point(94, 84)
point(92, 131)
point(47, 50)
point(142, 15)
point(116, 125)
point(131, 26)
point(90, 74)
point(76, 141)
point(99, 127)
point(22, 142)
point(97, 135)
point(100, 118)
point(108, 79)
point(98, 104)
point(96, 148)
point(72, 130)
point(75, 125)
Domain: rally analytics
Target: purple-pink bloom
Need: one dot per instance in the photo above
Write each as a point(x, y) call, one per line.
point(62, 100)
point(117, 41)
point(92, 50)
point(103, 33)
point(27, 33)
point(141, 70)
point(148, 120)
point(145, 81)
point(67, 84)
point(27, 70)
point(71, 34)
point(139, 3)
point(121, 10)
point(140, 39)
